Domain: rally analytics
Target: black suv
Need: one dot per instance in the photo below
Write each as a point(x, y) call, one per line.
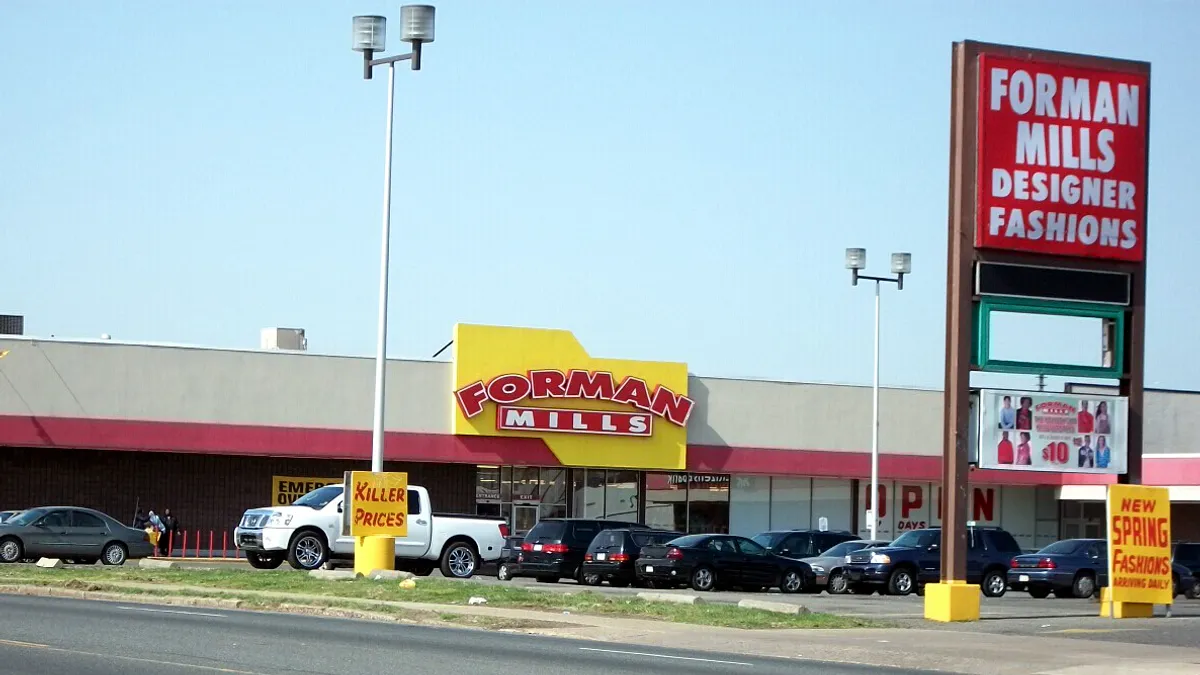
point(612, 554)
point(915, 559)
point(555, 547)
point(1187, 553)
point(801, 543)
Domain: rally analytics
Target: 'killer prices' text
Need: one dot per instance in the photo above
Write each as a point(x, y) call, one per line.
point(385, 519)
point(1062, 159)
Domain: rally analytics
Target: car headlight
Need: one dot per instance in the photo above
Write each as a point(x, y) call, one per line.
point(880, 559)
point(818, 569)
point(278, 519)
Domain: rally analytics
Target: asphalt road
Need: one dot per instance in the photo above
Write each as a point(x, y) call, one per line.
point(53, 636)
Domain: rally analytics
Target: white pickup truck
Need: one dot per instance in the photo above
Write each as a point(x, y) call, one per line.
point(308, 535)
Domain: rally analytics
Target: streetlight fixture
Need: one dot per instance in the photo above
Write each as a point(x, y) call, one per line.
point(369, 35)
point(856, 262)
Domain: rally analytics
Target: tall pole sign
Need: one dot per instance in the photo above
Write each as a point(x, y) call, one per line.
point(1047, 215)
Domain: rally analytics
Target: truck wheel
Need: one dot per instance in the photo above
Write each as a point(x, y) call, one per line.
point(901, 582)
point(263, 561)
point(459, 561)
point(307, 550)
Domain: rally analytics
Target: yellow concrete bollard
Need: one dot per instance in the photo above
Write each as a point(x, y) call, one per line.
point(374, 553)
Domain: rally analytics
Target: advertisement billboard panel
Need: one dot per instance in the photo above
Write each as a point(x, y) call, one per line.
point(1139, 544)
point(1066, 433)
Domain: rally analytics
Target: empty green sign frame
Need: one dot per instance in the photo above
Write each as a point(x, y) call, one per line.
point(983, 336)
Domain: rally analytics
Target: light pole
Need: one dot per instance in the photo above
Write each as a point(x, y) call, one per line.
point(856, 261)
point(416, 28)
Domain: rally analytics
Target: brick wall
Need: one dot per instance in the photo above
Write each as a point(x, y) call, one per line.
point(206, 492)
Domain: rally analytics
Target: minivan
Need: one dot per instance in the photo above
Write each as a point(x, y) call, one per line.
point(612, 554)
point(555, 547)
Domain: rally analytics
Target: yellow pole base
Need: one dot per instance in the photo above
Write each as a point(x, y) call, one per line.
point(374, 553)
point(1123, 610)
point(952, 601)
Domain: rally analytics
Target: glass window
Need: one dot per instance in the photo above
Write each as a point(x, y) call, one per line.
point(791, 503)
point(85, 519)
point(547, 530)
point(524, 517)
point(750, 505)
point(585, 531)
point(769, 539)
point(798, 545)
point(488, 509)
point(608, 539)
point(834, 500)
point(844, 549)
point(587, 490)
point(666, 503)
point(1002, 541)
point(918, 539)
point(554, 486)
point(1066, 547)
point(652, 538)
point(506, 483)
point(414, 502)
point(621, 495)
point(708, 503)
point(1187, 553)
point(487, 484)
point(319, 498)
point(527, 485)
point(55, 519)
point(750, 548)
point(552, 511)
point(721, 545)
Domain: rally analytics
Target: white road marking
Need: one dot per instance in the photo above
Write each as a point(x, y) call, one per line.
point(666, 656)
point(170, 611)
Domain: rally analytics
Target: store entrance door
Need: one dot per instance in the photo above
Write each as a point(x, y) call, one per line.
point(1082, 520)
point(525, 516)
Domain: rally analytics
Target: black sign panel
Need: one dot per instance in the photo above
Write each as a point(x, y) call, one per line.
point(1052, 283)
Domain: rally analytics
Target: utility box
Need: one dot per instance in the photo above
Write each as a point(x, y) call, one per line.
point(284, 339)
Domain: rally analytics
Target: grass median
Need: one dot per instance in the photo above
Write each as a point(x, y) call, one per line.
point(242, 584)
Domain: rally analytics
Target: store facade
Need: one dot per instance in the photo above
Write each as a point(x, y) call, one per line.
point(521, 423)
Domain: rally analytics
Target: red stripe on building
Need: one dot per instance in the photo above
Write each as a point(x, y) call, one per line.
point(353, 444)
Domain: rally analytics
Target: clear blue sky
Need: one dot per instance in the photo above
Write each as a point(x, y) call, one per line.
point(669, 180)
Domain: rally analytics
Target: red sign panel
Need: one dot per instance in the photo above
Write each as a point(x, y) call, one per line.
point(1062, 159)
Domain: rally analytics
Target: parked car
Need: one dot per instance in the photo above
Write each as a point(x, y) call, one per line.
point(309, 533)
point(1069, 568)
point(1183, 582)
point(828, 565)
point(509, 559)
point(914, 560)
point(1187, 553)
point(801, 543)
point(555, 547)
point(709, 561)
point(71, 533)
point(613, 554)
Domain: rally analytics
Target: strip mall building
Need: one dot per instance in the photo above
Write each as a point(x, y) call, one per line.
point(523, 423)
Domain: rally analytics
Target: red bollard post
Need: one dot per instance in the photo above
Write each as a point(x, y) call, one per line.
point(210, 543)
point(197, 543)
point(184, 547)
point(170, 543)
point(224, 544)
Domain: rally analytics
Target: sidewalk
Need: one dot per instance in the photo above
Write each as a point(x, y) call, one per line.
point(942, 649)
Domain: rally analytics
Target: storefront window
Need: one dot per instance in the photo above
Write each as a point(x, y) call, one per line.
point(708, 503)
point(666, 502)
point(526, 485)
point(554, 486)
point(750, 505)
point(487, 484)
point(620, 495)
point(506, 484)
point(791, 503)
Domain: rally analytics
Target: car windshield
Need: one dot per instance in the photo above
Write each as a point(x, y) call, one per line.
point(319, 498)
point(1062, 547)
point(26, 517)
point(845, 548)
point(916, 539)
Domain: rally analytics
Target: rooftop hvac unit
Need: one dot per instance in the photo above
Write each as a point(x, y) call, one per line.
point(285, 339)
point(12, 324)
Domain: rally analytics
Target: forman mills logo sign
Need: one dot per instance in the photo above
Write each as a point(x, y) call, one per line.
point(587, 411)
point(506, 390)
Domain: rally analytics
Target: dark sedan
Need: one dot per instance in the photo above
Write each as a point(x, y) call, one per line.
point(709, 561)
point(1069, 568)
point(71, 533)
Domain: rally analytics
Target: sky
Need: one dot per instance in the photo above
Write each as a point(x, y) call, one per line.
point(669, 180)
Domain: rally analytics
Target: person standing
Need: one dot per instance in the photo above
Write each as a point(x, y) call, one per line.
point(1103, 452)
point(1008, 415)
point(1103, 425)
point(170, 531)
point(1024, 450)
point(1004, 449)
point(1087, 456)
point(1025, 414)
point(140, 520)
point(1086, 422)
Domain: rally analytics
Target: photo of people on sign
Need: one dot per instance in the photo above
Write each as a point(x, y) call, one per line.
point(1070, 433)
